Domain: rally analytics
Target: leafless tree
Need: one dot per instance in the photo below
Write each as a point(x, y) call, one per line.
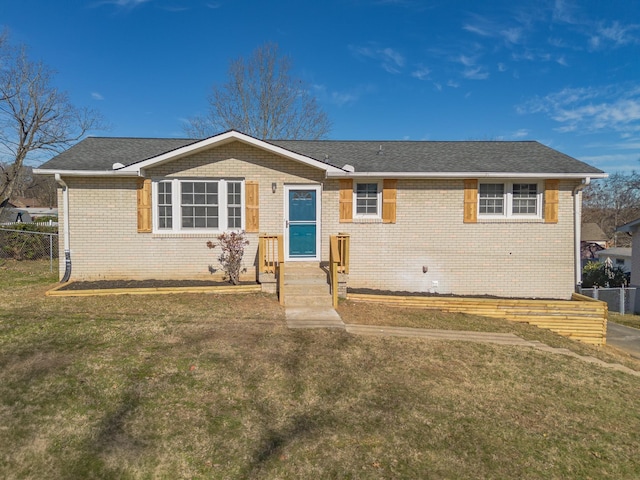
point(612, 202)
point(35, 117)
point(261, 98)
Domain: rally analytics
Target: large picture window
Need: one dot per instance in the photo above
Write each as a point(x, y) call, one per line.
point(198, 205)
point(509, 199)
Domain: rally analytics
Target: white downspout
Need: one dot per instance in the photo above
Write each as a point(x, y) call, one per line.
point(65, 207)
point(577, 229)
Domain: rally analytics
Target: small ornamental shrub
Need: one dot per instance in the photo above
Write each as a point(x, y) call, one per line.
point(603, 274)
point(232, 245)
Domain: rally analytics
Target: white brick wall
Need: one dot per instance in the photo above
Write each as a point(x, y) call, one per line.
point(504, 259)
point(511, 259)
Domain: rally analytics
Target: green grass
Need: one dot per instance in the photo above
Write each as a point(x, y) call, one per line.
point(206, 386)
point(14, 273)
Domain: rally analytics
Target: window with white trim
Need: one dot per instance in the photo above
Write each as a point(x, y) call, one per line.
point(367, 198)
point(189, 205)
point(510, 200)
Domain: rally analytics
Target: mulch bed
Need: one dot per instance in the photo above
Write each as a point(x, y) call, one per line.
point(115, 284)
point(370, 291)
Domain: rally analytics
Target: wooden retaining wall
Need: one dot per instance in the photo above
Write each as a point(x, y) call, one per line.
point(57, 292)
point(581, 318)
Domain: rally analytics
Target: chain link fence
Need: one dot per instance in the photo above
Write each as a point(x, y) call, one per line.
point(29, 242)
point(620, 300)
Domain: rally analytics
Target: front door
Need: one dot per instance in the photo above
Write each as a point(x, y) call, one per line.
point(302, 228)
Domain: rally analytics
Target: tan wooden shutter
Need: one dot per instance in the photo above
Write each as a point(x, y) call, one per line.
point(144, 205)
point(252, 206)
point(470, 201)
point(346, 200)
point(551, 199)
point(389, 194)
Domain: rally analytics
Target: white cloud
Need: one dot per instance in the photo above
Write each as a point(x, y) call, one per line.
point(521, 133)
point(502, 67)
point(467, 61)
point(609, 108)
point(453, 84)
point(614, 34)
point(512, 35)
point(97, 96)
point(342, 98)
point(390, 60)
point(475, 73)
point(124, 3)
point(422, 73)
point(617, 162)
point(477, 30)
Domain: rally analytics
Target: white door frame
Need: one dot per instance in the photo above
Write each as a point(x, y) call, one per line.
point(305, 186)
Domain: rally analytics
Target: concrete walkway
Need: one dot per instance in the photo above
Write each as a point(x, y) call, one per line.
point(327, 317)
point(624, 338)
point(484, 337)
point(313, 317)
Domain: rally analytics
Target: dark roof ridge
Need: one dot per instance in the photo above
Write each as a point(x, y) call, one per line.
point(143, 138)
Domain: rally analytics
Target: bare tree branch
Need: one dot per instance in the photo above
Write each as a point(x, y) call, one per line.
point(35, 117)
point(262, 99)
point(612, 202)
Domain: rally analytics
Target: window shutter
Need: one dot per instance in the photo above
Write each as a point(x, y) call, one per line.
point(470, 201)
point(144, 205)
point(346, 200)
point(389, 194)
point(551, 200)
point(252, 206)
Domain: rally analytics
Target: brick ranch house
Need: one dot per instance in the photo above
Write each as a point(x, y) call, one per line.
point(465, 217)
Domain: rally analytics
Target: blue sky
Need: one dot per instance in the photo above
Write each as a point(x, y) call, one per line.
point(563, 72)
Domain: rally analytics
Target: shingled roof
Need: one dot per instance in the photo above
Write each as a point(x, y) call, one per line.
point(522, 157)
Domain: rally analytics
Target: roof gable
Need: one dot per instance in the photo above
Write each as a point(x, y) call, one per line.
point(222, 139)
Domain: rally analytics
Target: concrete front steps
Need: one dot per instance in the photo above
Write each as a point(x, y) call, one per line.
point(307, 297)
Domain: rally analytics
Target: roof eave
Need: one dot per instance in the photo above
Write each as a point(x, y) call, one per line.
point(440, 175)
point(85, 173)
point(629, 227)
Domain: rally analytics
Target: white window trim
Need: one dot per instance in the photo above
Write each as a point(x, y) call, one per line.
point(377, 215)
point(223, 212)
point(508, 200)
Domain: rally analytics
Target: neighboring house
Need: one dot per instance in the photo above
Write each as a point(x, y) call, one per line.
point(14, 215)
point(34, 208)
point(468, 217)
point(620, 257)
point(592, 240)
point(632, 228)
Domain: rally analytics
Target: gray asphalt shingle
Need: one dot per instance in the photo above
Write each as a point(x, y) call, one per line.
point(95, 154)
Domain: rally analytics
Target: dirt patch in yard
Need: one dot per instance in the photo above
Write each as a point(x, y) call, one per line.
point(123, 284)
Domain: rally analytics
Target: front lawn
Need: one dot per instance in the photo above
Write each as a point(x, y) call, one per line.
point(206, 386)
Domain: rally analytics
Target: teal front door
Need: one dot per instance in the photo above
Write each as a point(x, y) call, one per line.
point(301, 223)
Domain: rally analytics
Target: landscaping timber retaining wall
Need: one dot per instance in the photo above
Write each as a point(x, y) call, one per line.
point(581, 318)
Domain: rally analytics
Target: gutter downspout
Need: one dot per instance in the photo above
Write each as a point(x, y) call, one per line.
point(67, 250)
point(577, 226)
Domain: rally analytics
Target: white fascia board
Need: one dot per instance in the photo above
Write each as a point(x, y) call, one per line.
point(440, 175)
point(221, 140)
point(85, 173)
